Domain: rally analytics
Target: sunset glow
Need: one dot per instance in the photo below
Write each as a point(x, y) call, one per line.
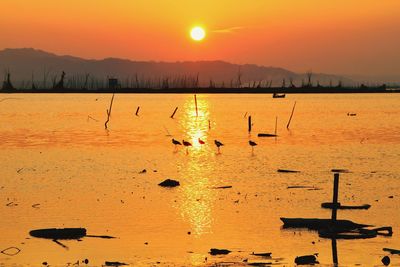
point(297, 35)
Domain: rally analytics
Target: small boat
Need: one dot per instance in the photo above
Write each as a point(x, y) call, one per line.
point(321, 224)
point(276, 95)
point(62, 233)
point(329, 205)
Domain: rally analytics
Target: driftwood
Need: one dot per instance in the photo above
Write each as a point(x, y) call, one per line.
point(357, 233)
point(263, 254)
point(267, 135)
point(329, 205)
point(287, 171)
point(222, 187)
point(392, 251)
point(216, 251)
point(114, 263)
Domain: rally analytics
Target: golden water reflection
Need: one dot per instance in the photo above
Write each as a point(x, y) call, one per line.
point(196, 203)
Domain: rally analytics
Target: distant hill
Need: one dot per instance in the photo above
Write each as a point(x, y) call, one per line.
point(27, 63)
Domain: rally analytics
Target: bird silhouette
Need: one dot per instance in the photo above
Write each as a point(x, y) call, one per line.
point(252, 144)
point(218, 144)
point(186, 144)
point(201, 142)
point(176, 143)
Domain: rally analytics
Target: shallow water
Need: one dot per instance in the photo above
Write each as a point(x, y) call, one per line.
point(55, 152)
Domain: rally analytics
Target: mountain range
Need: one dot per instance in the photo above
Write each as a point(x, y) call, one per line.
point(26, 65)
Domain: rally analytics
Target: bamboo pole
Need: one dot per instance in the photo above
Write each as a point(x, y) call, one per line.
point(195, 102)
point(109, 112)
point(276, 125)
point(173, 114)
point(335, 196)
point(291, 115)
point(249, 124)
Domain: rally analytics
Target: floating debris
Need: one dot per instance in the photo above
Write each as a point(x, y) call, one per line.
point(266, 135)
point(385, 260)
point(287, 171)
point(11, 251)
point(303, 187)
point(143, 171)
point(11, 204)
point(330, 205)
point(216, 251)
point(392, 251)
point(262, 254)
point(114, 263)
point(169, 183)
point(222, 187)
point(305, 260)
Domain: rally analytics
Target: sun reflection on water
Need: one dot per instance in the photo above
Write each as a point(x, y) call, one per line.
point(197, 197)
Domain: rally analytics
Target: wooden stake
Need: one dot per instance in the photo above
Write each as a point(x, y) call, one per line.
point(195, 102)
point(173, 114)
point(291, 115)
point(334, 253)
point(109, 112)
point(137, 111)
point(335, 196)
point(249, 124)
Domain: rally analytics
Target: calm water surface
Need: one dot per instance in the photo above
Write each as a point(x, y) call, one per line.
point(56, 153)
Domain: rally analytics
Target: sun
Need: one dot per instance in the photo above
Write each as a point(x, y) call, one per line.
point(198, 33)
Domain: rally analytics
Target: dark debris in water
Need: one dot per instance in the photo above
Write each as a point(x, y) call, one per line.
point(114, 263)
point(10, 251)
point(288, 171)
point(306, 260)
point(216, 251)
point(169, 183)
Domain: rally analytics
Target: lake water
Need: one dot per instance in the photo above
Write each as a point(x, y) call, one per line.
point(61, 168)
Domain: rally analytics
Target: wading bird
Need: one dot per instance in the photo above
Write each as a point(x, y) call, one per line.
point(218, 144)
point(252, 144)
point(176, 143)
point(186, 144)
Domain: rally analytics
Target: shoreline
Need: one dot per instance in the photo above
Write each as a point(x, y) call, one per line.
point(344, 90)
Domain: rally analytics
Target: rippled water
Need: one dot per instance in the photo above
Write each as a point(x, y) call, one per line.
point(56, 153)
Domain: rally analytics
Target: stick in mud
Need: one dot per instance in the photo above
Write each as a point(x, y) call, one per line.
point(249, 124)
point(195, 103)
point(109, 112)
point(291, 115)
point(335, 196)
point(137, 111)
point(173, 113)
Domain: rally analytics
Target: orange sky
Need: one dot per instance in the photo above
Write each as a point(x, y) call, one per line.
point(344, 37)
